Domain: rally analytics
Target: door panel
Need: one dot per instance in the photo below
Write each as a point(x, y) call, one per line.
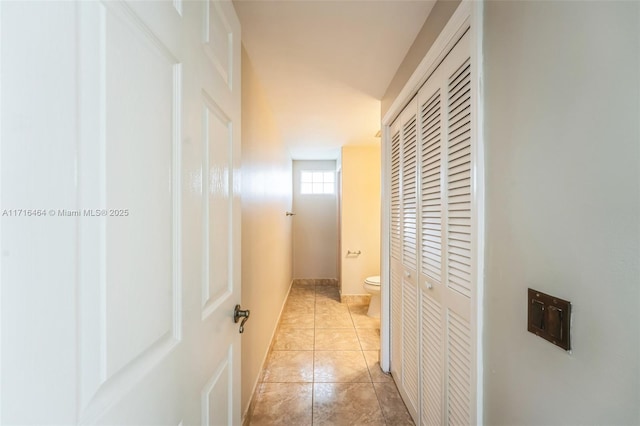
point(433, 271)
point(137, 327)
point(410, 331)
point(395, 229)
point(446, 285)
point(404, 290)
point(129, 288)
point(217, 147)
point(136, 172)
point(218, 41)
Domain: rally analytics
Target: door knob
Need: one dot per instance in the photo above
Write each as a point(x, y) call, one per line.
point(240, 313)
point(290, 214)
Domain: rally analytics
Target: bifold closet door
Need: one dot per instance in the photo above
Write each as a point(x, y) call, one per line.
point(396, 254)
point(445, 234)
point(432, 355)
point(404, 252)
point(431, 243)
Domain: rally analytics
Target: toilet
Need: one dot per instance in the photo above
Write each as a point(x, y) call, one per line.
point(372, 286)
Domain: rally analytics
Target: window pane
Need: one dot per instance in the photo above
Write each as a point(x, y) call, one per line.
point(305, 188)
point(317, 182)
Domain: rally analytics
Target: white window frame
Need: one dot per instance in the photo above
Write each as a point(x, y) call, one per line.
point(317, 182)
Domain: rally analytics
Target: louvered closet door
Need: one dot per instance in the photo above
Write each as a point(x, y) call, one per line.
point(396, 252)
point(410, 332)
point(432, 136)
point(446, 259)
point(432, 286)
point(460, 288)
point(404, 255)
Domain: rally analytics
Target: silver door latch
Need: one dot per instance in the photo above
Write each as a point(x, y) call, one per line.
point(239, 313)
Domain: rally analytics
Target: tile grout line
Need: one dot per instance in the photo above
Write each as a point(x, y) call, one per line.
point(384, 416)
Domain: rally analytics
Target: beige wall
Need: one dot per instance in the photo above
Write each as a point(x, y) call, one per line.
point(437, 19)
point(562, 84)
point(266, 231)
point(360, 216)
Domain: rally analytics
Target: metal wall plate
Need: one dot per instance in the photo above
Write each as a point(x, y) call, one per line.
point(549, 317)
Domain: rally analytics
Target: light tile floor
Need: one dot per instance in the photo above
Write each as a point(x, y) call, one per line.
point(323, 367)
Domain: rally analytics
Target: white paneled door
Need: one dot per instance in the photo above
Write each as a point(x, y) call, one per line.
point(119, 203)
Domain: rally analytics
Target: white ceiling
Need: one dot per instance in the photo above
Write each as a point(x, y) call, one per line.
point(325, 65)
